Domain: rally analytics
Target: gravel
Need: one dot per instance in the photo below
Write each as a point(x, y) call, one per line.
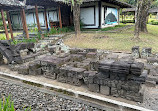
point(24, 96)
point(151, 98)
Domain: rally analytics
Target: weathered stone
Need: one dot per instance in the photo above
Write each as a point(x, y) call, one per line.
point(50, 75)
point(1, 59)
point(70, 80)
point(91, 55)
point(105, 90)
point(91, 77)
point(23, 70)
point(94, 88)
point(152, 60)
point(77, 82)
point(112, 57)
point(85, 66)
point(91, 50)
point(135, 52)
point(77, 57)
point(35, 72)
point(146, 52)
point(114, 92)
point(94, 65)
point(82, 53)
point(86, 76)
point(150, 83)
point(61, 79)
point(137, 68)
point(75, 50)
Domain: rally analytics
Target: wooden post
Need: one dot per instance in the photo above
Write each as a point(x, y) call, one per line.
point(10, 25)
point(22, 19)
point(25, 24)
point(5, 25)
point(60, 21)
point(37, 19)
point(46, 21)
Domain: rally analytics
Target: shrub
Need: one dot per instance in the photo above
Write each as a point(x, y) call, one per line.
point(60, 30)
point(53, 30)
point(154, 22)
point(2, 38)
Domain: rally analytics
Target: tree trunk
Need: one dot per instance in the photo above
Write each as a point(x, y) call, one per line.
point(137, 18)
point(76, 18)
point(142, 12)
point(144, 15)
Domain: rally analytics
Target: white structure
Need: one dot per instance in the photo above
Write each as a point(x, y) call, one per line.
point(52, 15)
point(94, 14)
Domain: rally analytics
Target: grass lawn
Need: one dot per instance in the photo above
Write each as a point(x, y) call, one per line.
point(3, 36)
point(120, 41)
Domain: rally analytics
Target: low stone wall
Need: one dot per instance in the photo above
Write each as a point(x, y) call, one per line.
point(103, 74)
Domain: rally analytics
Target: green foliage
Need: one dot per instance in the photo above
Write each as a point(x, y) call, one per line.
point(15, 42)
point(46, 34)
point(53, 31)
point(153, 22)
point(34, 29)
point(2, 38)
point(8, 105)
point(60, 30)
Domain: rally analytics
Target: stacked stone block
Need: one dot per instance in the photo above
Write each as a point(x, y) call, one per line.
point(118, 79)
point(71, 75)
point(109, 76)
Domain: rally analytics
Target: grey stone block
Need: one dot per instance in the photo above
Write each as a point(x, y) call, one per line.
point(23, 70)
point(77, 82)
point(105, 90)
point(91, 55)
point(94, 88)
point(150, 83)
point(50, 75)
point(135, 52)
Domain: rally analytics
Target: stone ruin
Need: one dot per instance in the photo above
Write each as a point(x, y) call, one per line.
point(12, 52)
point(101, 71)
point(103, 74)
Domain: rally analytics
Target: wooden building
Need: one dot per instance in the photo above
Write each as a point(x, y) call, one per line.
point(94, 13)
point(7, 5)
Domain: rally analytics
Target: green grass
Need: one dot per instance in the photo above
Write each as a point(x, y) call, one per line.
point(3, 36)
point(120, 41)
point(107, 28)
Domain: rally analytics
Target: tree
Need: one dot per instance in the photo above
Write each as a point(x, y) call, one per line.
point(142, 12)
point(76, 17)
point(76, 14)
